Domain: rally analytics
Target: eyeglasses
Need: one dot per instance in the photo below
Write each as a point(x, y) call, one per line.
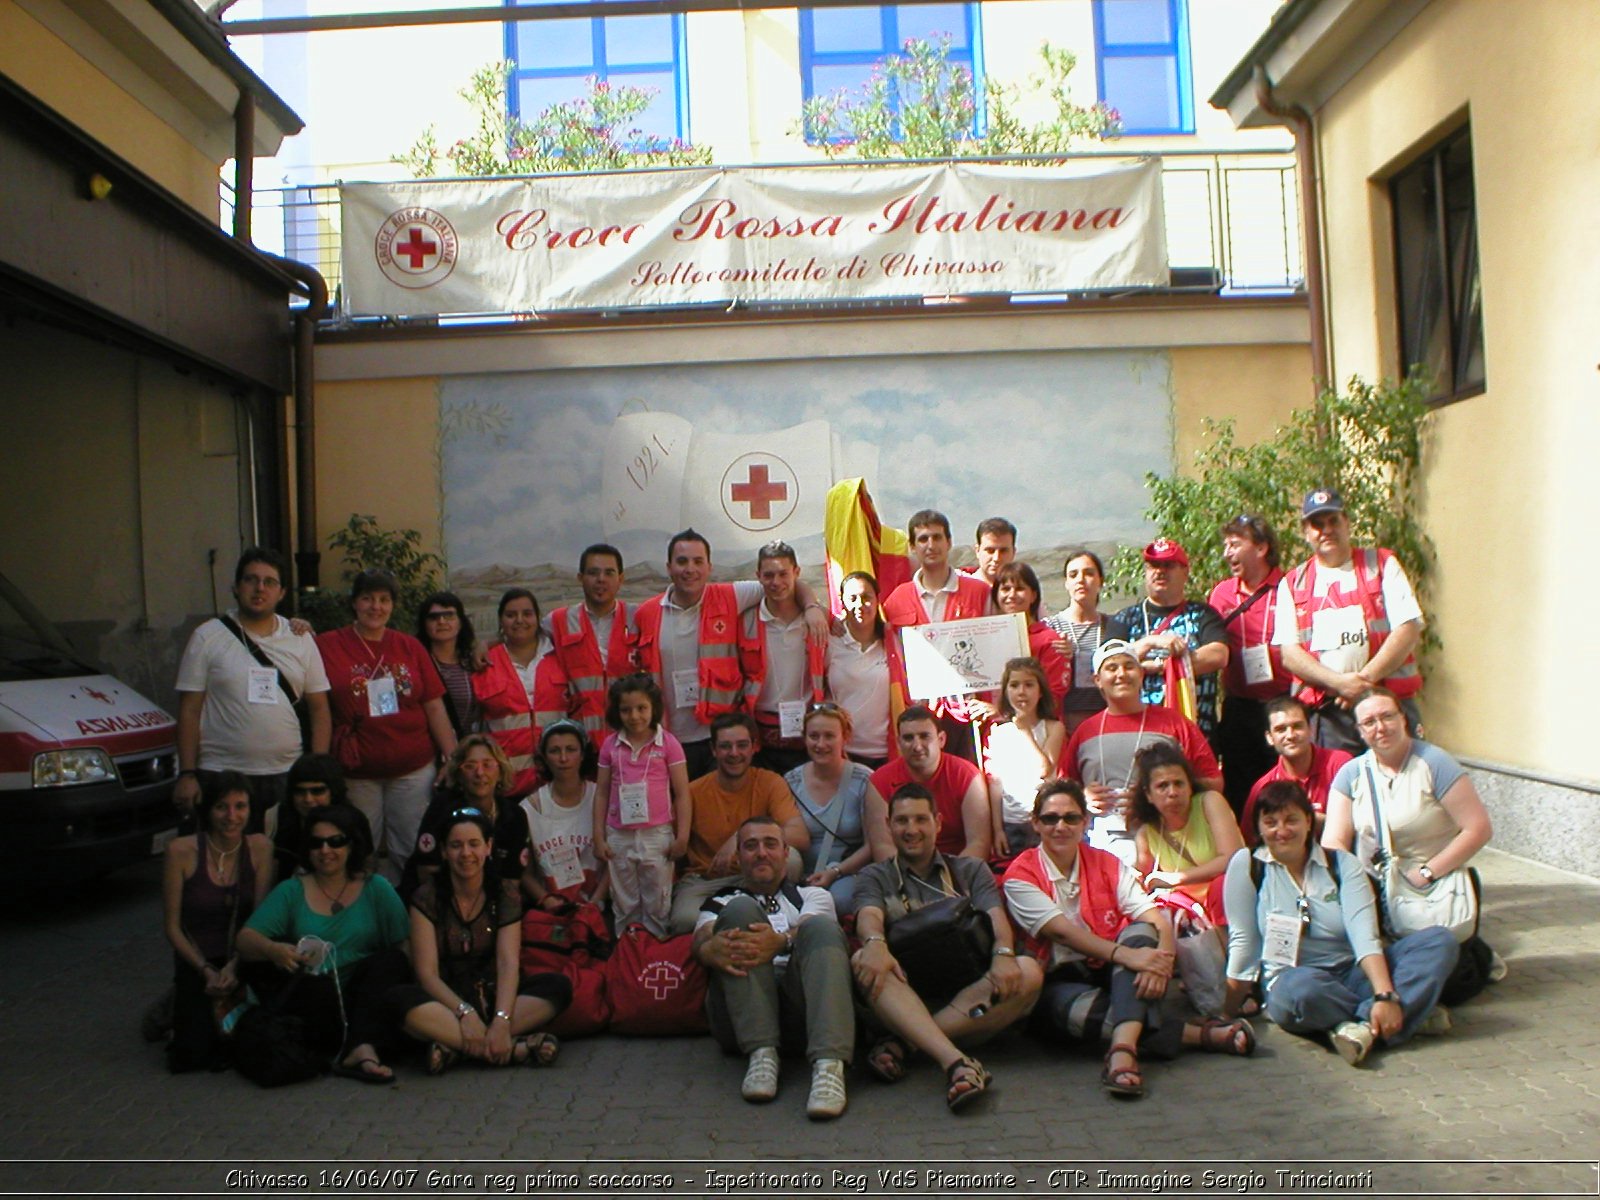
point(334, 841)
point(447, 615)
point(1372, 722)
point(1051, 820)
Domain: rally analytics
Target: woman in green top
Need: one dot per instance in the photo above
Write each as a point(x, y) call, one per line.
point(1186, 835)
point(330, 943)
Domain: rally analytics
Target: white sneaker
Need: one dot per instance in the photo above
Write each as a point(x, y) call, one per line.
point(1498, 969)
point(827, 1099)
point(1352, 1039)
point(1436, 1022)
point(761, 1076)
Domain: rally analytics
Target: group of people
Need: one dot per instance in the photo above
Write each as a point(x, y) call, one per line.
point(854, 865)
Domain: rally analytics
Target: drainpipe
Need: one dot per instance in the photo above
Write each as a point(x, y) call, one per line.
point(307, 557)
point(244, 164)
point(1305, 156)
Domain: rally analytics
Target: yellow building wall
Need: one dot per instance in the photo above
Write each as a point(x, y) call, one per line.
point(1510, 473)
point(51, 70)
point(377, 454)
point(1257, 386)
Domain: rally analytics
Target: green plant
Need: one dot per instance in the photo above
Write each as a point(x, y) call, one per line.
point(1366, 442)
point(593, 132)
point(366, 546)
point(917, 104)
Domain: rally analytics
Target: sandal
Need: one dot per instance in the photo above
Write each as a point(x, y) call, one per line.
point(967, 1081)
point(535, 1050)
point(441, 1058)
point(887, 1059)
point(1122, 1081)
point(1219, 1036)
point(365, 1070)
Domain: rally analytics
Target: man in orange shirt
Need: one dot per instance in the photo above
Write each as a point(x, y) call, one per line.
point(725, 799)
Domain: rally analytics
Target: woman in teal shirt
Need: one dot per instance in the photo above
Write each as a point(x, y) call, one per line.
point(329, 943)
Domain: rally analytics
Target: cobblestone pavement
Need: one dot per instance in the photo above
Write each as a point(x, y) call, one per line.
point(1516, 1080)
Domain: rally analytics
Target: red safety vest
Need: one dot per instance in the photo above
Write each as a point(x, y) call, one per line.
point(588, 675)
point(730, 663)
point(1368, 563)
point(511, 721)
point(1098, 873)
point(816, 659)
point(904, 607)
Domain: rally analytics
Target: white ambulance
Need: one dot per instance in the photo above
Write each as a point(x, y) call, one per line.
point(87, 764)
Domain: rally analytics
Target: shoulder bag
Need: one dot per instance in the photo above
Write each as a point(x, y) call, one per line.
point(1450, 901)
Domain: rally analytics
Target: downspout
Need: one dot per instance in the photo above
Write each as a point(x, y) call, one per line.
point(307, 557)
point(244, 164)
point(1305, 156)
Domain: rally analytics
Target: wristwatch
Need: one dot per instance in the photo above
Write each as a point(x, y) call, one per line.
point(1004, 952)
point(462, 1010)
point(1426, 872)
point(501, 1014)
point(1390, 997)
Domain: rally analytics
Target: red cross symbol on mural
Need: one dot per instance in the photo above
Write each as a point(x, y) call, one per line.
point(759, 490)
point(416, 247)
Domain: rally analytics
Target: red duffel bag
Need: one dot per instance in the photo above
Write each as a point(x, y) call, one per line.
point(569, 943)
point(657, 988)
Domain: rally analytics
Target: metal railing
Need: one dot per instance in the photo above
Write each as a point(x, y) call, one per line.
point(1232, 228)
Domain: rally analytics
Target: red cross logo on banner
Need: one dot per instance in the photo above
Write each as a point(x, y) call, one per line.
point(416, 248)
point(661, 979)
point(759, 491)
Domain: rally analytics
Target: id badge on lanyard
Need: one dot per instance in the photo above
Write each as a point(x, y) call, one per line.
point(1257, 661)
point(686, 688)
point(562, 867)
point(791, 718)
point(1280, 943)
point(382, 698)
point(634, 802)
point(263, 688)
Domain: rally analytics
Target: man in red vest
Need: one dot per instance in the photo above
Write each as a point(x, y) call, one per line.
point(691, 638)
point(938, 592)
point(1347, 620)
point(1254, 674)
point(594, 641)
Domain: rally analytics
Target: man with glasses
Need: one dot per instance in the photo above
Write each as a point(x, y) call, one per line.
point(1346, 621)
point(1254, 674)
point(721, 802)
point(239, 680)
point(594, 641)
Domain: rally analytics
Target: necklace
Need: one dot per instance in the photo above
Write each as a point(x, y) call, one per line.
point(335, 902)
point(1138, 743)
point(220, 858)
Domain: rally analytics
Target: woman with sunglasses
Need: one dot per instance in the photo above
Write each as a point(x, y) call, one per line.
point(445, 629)
point(330, 943)
point(1090, 924)
point(830, 790)
point(315, 781)
point(477, 776)
point(1303, 922)
point(466, 942)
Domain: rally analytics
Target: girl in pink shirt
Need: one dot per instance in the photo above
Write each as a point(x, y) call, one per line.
point(642, 811)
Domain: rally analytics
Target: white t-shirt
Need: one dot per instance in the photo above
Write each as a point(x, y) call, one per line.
point(562, 838)
point(1338, 624)
point(260, 736)
point(1016, 767)
point(680, 651)
point(858, 680)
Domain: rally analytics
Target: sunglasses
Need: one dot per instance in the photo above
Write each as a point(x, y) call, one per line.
point(334, 841)
point(1303, 907)
point(447, 615)
point(310, 789)
point(468, 812)
point(1051, 820)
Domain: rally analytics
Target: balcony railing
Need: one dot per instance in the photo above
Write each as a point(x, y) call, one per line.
point(1232, 222)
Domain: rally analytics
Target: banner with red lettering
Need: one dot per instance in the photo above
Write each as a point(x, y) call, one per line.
point(707, 235)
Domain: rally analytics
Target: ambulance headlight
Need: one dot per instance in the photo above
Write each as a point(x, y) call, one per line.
point(64, 768)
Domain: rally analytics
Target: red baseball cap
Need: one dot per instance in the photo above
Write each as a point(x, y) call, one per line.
point(1165, 550)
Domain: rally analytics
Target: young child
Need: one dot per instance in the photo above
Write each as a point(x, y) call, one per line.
point(1021, 753)
point(642, 809)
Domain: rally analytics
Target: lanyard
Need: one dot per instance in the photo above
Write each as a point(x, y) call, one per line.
point(1138, 743)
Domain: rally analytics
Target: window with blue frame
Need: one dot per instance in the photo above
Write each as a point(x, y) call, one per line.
point(1141, 50)
point(838, 46)
point(552, 59)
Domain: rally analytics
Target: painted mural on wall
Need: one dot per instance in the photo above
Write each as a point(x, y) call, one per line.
point(535, 466)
